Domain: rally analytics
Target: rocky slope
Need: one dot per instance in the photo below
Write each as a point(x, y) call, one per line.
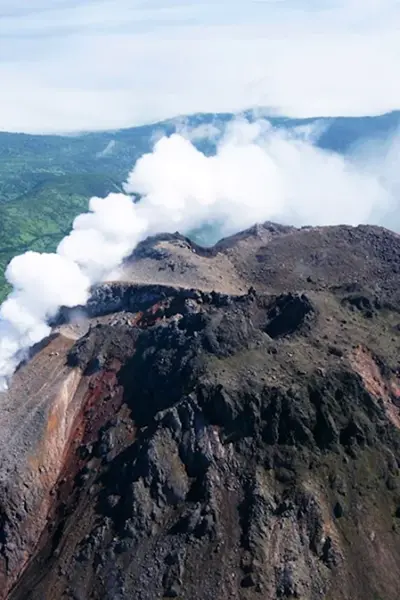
point(223, 423)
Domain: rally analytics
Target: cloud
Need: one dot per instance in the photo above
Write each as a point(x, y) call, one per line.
point(70, 66)
point(261, 173)
point(258, 173)
point(42, 283)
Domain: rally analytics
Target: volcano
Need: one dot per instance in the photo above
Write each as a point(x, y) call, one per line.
point(221, 423)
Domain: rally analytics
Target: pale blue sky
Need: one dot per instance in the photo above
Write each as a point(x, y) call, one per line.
point(69, 65)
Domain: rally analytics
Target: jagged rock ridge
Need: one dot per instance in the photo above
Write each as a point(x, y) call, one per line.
point(250, 434)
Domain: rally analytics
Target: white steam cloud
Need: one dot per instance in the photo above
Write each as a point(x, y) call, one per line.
point(258, 173)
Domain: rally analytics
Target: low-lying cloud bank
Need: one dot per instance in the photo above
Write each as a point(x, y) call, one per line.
point(258, 173)
point(108, 64)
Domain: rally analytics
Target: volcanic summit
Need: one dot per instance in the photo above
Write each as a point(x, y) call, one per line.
point(220, 423)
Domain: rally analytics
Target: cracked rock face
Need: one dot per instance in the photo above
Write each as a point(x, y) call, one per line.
point(192, 443)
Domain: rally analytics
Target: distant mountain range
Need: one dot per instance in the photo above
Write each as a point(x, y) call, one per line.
point(45, 181)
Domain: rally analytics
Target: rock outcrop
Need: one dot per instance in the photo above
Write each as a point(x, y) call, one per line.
point(221, 444)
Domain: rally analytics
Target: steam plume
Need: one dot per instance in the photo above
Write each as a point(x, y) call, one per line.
point(257, 174)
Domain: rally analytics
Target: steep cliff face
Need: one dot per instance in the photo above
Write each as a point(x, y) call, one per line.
point(214, 445)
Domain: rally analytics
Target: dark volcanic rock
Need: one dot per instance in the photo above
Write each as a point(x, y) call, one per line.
point(287, 314)
point(227, 446)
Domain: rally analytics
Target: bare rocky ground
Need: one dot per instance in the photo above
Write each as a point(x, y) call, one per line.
point(223, 423)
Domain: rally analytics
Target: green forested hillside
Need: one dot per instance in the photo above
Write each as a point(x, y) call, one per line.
point(45, 181)
point(38, 219)
point(27, 161)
